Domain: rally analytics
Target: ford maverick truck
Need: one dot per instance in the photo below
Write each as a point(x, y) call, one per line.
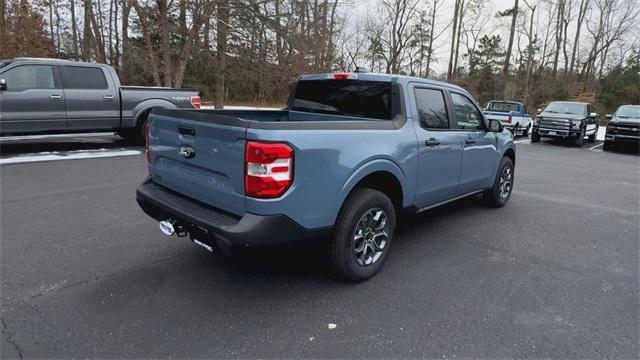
point(512, 114)
point(349, 153)
point(60, 96)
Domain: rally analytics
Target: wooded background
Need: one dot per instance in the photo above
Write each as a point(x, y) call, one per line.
point(251, 51)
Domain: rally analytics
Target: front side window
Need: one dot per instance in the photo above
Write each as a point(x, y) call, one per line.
point(432, 111)
point(369, 99)
point(29, 77)
point(467, 115)
point(80, 77)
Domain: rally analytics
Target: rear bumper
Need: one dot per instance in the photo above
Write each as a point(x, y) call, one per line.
point(213, 225)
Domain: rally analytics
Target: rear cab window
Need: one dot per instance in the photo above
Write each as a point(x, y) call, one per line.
point(501, 106)
point(83, 77)
point(376, 100)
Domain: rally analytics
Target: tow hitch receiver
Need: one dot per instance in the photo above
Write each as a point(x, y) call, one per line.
point(166, 226)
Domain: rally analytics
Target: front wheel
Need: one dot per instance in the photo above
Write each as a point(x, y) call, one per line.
point(500, 193)
point(579, 141)
point(525, 131)
point(608, 145)
point(363, 235)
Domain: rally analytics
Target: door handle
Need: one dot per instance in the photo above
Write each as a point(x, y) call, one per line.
point(55, 97)
point(109, 97)
point(469, 141)
point(432, 142)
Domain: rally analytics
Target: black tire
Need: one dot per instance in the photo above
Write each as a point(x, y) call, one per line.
point(136, 135)
point(579, 141)
point(592, 138)
point(525, 132)
point(495, 197)
point(356, 209)
point(608, 145)
point(535, 137)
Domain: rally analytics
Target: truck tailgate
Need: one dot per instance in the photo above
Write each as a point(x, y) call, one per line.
point(203, 160)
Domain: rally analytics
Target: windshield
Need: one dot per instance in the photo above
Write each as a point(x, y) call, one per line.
point(628, 112)
point(502, 106)
point(566, 108)
point(371, 99)
point(4, 63)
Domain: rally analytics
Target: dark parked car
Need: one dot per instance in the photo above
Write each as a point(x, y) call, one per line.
point(624, 126)
point(566, 120)
point(53, 96)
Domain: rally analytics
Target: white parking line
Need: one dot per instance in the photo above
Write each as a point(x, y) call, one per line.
point(54, 136)
point(528, 141)
point(67, 155)
point(595, 147)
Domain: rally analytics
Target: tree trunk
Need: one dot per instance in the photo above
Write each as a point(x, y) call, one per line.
point(221, 48)
point(581, 14)
point(74, 29)
point(163, 10)
point(126, 10)
point(146, 33)
point(460, 18)
point(453, 37)
point(507, 58)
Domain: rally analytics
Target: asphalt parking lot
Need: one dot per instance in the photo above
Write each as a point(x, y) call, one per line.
point(554, 274)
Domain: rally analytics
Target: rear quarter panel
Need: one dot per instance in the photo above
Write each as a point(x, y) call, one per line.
point(329, 163)
point(137, 101)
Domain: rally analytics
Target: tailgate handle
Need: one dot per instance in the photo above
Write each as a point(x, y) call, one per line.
point(187, 131)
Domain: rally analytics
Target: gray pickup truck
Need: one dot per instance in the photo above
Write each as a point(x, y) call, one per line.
point(56, 96)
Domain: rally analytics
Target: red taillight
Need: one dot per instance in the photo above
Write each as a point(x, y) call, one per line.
point(268, 169)
point(510, 119)
point(146, 141)
point(196, 102)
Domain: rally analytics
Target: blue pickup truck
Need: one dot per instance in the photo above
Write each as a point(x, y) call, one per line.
point(348, 154)
point(512, 114)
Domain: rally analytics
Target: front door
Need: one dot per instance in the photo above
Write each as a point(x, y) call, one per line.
point(33, 101)
point(440, 148)
point(479, 157)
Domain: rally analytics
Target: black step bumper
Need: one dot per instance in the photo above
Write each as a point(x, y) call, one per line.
point(227, 230)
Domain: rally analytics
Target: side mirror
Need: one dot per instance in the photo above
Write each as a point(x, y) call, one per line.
point(3, 85)
point(593, 115)
point(608, 116)
point(495, 126)
point(539, 111)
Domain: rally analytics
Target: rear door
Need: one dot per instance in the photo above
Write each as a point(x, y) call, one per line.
point(479, 155)
point(33, 101)
point(200, 156)
point(440, 148)
point(92, 101)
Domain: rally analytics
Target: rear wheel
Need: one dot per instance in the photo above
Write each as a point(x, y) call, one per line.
point(363, 235)
point(525, 131)
point(535, 137)
point(592, 138)
point(500, 193)
point(136, 135)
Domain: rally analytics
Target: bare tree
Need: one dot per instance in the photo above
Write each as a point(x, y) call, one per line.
point(514, 16)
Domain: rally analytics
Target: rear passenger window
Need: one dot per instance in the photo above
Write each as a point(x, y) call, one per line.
point(79, 77)
point(467, 115)
point(431, 109)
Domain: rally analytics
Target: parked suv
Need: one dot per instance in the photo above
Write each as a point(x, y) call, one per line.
point(350, 153)
point(566, 120)
point(624, 126)
point(57, 96)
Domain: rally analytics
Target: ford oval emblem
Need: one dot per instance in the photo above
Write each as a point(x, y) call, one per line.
point(186, 151)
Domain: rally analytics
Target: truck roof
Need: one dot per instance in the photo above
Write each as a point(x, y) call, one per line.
point(51, 60)
point(507, 101)
point(570, 102)
point(367, 76)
